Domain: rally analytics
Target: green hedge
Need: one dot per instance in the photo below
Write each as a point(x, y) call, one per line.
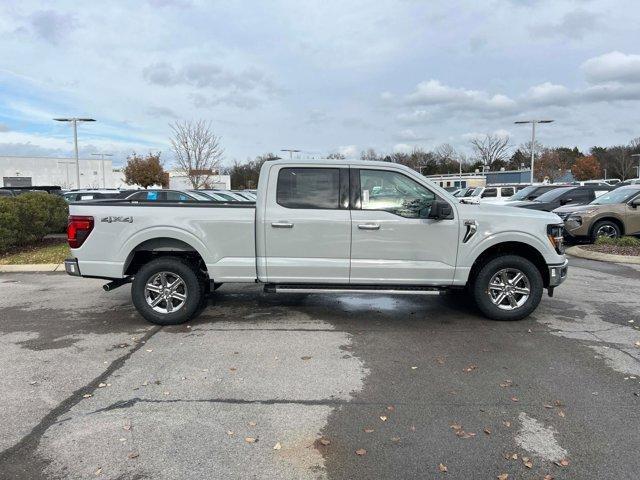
point(27, 218)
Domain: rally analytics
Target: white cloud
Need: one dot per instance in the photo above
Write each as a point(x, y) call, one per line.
point(548, 94)
point(613, 66)
point(409, 135)
point(402, 148)
point(575, 25)
point(434, 93)
point(348, 151)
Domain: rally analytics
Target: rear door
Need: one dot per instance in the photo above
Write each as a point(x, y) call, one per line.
point(307, 225)
point(632, 218)
point(392, 240)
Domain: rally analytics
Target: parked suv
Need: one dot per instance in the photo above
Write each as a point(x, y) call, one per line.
point(559, 197)
point(611, 215)
point(529, 192)
point(493, 192)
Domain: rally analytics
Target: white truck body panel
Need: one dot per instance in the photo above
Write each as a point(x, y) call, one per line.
point(323, 246)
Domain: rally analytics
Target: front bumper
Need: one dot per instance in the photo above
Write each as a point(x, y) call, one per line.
point(71, 267)
point(558, 274)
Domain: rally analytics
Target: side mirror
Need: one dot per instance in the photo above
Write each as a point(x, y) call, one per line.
point(440, 210)
point(635, 203)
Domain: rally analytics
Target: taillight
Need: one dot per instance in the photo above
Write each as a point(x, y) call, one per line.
point(78, 229)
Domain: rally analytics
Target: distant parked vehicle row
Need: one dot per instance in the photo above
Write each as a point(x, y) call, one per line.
point(613, 215)
point(561, 196)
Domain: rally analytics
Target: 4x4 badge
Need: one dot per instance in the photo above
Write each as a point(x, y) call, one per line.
point(117, 219)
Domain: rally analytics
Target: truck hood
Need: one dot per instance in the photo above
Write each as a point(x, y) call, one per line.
point(577, 208)
point(488, 209)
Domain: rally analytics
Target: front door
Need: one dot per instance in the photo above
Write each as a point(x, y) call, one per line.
point(308, 227)
point(392, 240)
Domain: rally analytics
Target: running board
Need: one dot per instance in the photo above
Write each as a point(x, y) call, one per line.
point(375, 289)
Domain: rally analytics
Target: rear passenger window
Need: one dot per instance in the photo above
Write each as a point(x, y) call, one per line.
point(507, 191)
point(489, 192)
point(309, 188)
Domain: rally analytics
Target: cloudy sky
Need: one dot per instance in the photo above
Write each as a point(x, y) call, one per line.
point(321, 76)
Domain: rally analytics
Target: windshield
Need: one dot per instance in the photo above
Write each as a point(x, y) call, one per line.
point(615, 196)
point(524, 193)
point(552, 195)
point(199, 196)
point(476, 192)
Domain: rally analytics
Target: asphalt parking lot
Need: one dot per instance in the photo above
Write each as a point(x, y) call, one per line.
point(314, 386)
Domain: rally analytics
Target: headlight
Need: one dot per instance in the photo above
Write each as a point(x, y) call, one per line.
point(555, 234)
point(587, 212)
point(574, 219)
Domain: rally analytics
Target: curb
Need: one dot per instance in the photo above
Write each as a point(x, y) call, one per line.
point(602, 257)
point(33, 267)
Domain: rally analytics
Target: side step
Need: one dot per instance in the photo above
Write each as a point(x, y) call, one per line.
point(338, 288)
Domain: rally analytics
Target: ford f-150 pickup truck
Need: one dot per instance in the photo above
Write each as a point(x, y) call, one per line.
point(320, 226)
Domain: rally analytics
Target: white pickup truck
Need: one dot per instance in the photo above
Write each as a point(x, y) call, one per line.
point(320, 226)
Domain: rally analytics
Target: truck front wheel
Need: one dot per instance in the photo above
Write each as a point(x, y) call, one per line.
point(508, 287)
point(167, 291)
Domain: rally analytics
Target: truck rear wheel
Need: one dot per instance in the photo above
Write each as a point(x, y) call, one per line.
point(508, 287)
point(167, 291)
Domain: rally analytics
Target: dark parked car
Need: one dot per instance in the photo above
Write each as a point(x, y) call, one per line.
point(559, 197)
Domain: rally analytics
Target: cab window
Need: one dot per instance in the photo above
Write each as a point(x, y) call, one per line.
point(395, 193)
point(490, 192)
point(309, 188)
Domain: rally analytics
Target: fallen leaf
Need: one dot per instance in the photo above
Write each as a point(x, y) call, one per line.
point(391, 408)
point(558, 403)
point(637, 344)
point(166, 393)
point(368, 430)
point(383, 418)
point(506, 383)
point(467, 434)
point(487, 431)
point(98, 472)
point(149, 350)
point(548, 477)
point(395, 439)
point(561, 413)
point(412, 428)
point(233, 369)
point(514, 456)
point(546, 405)
point(250, 439)
point(413, 368)
point(440, 361)
point(277, 446)
point(563, 463)
point(503, 476)
point(361, 452)
point(442, 467)
point(87, 395)
point(126, 427)
point(102, 385)
point(470, 368)
point(230, 432)
point(33, 383)
point(528, 463)
point(456, 426)
point(515, 399)
point(325, 441)
point(506, 424)
point(305, 358)
point(133, 454)
point(252, 424)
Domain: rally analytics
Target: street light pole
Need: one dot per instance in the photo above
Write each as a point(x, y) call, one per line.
point(75, 121)
point(102, 155)
point(533, 138)
point(291, 152)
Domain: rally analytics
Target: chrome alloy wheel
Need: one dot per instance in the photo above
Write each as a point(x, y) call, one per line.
point(607, 231)
point(165, 292)
point(509, 289)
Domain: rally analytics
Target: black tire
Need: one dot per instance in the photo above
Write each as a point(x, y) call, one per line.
point(194, 290)
point(608, 225)
point(483, 298)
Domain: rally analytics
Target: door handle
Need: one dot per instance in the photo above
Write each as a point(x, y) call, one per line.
point(369, 226)
point(282, 224)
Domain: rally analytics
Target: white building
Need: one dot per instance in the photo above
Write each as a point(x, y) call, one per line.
point(18, 171)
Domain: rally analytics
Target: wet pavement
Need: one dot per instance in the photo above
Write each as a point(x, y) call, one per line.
point(295, 386)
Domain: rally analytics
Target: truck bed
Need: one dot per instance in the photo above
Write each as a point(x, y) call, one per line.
point(222, 233)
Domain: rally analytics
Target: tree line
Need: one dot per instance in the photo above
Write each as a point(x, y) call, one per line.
point(199, 153)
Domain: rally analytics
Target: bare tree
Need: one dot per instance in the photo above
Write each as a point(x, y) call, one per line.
point(197, 150)
point(622, 164)
point(491, 148)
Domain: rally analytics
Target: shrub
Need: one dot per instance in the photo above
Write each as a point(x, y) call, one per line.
point(619, 242)
point(27, 218)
